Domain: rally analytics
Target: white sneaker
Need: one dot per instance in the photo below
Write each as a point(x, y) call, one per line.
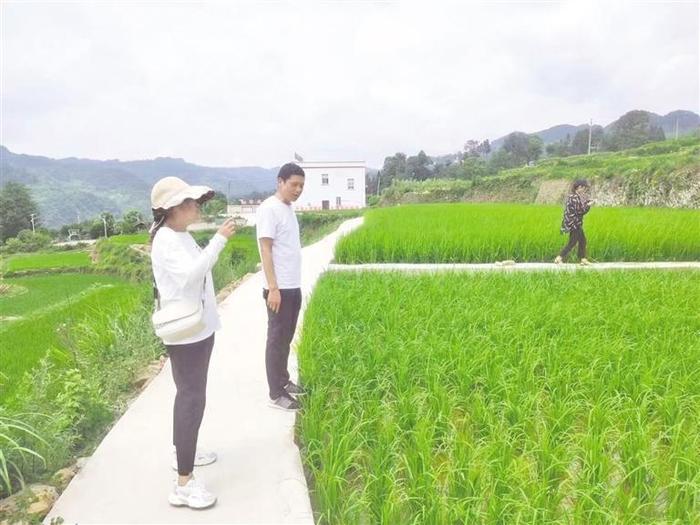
point(192, 495)
point(200, 459)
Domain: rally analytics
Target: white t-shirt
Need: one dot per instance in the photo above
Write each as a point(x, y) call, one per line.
point(277, 221)
point(179, 268)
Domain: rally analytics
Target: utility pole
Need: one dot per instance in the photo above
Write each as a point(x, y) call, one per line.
point(379, 180)
point(590, 134)
point(32, 219)
point(104, 221)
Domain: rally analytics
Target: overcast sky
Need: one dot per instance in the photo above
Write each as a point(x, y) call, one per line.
point(250, 83)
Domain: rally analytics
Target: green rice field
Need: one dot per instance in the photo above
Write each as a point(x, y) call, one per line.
point(39, 293)
point(480, 233)
point(47, 260)
point(46, 307)
point(503, 398)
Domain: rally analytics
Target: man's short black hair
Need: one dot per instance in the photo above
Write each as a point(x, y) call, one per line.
point(290, 169)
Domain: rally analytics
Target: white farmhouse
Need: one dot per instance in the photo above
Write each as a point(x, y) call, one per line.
point(332, 185)
point(328, 185)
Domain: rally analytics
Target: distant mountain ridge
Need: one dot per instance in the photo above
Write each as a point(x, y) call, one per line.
point(688, 121)
point(72, 189)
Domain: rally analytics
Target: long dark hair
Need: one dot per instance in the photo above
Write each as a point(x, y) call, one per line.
point(159, 217)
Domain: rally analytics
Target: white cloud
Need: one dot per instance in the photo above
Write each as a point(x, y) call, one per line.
point(248, 83)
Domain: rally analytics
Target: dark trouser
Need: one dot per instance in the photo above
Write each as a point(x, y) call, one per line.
point(190, 364)
point(280, 332)
point(575, 237)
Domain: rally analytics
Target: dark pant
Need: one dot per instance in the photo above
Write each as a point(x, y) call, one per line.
point(190, 364)
point(280, 332)
point(575, 237)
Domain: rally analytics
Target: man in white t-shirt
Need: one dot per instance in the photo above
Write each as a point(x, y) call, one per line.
point(280, 252)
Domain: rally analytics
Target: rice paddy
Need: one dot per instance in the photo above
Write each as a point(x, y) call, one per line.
point(480, 233)
point(39, 293)
point(47, 260)
point(503, 398)
point(47, 306)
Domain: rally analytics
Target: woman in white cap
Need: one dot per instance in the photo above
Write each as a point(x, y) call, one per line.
point(182, 273)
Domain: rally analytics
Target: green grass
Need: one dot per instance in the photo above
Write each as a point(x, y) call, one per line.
point(313, 226)
point(238, 258)
point(494, 398)
point(489, 232)
point(47, 260)
point(62, 408)
point(24, 342)
point(136, 238)
point(656, 158)
point(43, 292)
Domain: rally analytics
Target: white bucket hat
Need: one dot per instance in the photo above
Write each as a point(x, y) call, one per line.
point(169, 192)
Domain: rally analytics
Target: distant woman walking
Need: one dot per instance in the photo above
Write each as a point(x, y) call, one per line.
point(186, 319)
point(577, 205)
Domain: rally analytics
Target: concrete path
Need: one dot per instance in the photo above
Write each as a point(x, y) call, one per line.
point(258, 477)
point(525, 267)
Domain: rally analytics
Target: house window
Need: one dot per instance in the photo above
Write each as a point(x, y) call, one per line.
point(337, 202)
point(351, 184)
point(324, 179)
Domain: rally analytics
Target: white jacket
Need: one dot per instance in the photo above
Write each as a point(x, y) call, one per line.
point(180, 267)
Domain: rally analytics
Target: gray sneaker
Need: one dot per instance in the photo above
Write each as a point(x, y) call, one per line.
point(285, 402)
point(294, 389)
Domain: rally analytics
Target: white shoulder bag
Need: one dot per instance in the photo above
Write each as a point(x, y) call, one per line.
point(178, 320)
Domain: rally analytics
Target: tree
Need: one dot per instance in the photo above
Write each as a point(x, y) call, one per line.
point(16, 209)
point(502, 160)
point(394, 168)
point(561, 148)
point(28, 241)
point(474, 148)
point(631, 130)
point(522, 148)
point(371, 182)
point(419, 167)
point(97, 229)
point(579, 145)
point(534, 148)
point(473, 168)
point(132, 222)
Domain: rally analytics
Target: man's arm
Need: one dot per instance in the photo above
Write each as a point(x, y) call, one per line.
point(274, 298)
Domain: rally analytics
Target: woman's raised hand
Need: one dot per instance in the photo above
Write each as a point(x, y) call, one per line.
point(228, 228)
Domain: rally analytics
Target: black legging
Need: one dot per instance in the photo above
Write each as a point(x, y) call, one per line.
point(190, 364)
point(575, 237)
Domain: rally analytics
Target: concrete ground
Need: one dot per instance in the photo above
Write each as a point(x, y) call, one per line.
point(506, 267)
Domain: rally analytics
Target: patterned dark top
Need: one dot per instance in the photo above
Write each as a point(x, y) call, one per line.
point(575, 209)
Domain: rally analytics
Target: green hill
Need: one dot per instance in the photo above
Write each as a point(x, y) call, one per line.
point(657, 174)
point(71, 189)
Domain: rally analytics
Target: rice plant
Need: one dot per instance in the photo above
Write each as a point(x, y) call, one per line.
point(449, 233)
point(492, 398)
